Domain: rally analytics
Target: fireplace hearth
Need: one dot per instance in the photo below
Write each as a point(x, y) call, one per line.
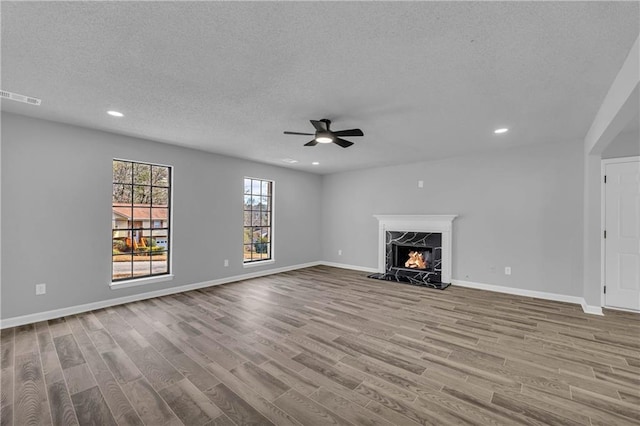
point(415, 250)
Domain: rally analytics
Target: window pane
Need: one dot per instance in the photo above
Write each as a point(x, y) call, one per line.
point(121, 266)
point(141, 194)
point(247, 251)
point(247, 186)
point(159, 263)
point(141, 248)
point(264, 204)
point(161, 216)
point(255, 187)
point(247, 218)
point(160, 196)
point(141, 266)
point(121, 194)
point(266, 186)
point(122, 171)
point(255, 218)
point(265, 219)
point(247, 236)
point(121, 216)
point(160, 176)
point(119, 248)
point(144, 237)
point(142, 174)
point(160, 241)
point(247, 201)
point(255, 233)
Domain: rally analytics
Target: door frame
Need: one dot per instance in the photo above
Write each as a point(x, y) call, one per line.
point(603, 210)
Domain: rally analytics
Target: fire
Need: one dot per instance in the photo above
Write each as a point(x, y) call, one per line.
point(416, 260)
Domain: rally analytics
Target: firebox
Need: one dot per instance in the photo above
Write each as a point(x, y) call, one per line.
point(412, 257)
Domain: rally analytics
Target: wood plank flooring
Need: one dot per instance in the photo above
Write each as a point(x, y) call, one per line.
point(325, 346)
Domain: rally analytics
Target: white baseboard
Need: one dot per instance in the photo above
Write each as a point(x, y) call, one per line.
point(345, 266)
point(73, 310)
point(588, 309)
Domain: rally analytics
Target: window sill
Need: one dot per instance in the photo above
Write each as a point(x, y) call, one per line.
point(140, 281)
point(258, 263)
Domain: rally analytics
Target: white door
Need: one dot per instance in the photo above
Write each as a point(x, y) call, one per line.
point(622, 242)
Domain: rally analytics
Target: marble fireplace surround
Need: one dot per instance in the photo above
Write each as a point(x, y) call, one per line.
point(417, 223)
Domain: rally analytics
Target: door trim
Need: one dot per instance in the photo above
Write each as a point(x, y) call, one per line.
point(603, 209)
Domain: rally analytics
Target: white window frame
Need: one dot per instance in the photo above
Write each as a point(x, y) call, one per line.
point(254, 263)
point(135, 282)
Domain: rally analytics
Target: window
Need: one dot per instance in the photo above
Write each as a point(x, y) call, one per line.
point(141, 218)
point(258, 217)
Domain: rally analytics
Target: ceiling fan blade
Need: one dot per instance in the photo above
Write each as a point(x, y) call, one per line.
point(343, 143)
point(320, 126)
point(298, 133)
point(350, 132)
point(311, 143)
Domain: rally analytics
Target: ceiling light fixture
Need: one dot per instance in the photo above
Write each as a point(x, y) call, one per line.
point(115, 113)
point(500, 131)
point(324, 139)
point(315, 163)
point(289, 160)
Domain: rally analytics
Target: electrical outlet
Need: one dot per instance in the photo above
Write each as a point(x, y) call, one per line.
point(340, 252)
point(41, 289)
point(507, 270)
point(226, 263)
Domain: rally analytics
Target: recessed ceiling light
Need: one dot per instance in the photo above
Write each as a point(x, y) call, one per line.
point(115, 113)
point(289, 160)
point(315, 163)
point(500, 131)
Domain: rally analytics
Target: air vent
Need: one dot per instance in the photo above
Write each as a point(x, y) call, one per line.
point(20, 98)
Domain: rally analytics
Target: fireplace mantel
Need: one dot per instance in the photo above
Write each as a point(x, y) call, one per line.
point(418, 223)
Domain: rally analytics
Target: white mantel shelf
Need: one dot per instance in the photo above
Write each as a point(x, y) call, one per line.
point(442, 223)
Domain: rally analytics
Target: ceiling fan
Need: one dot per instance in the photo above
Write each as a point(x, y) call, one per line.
point(324, 134)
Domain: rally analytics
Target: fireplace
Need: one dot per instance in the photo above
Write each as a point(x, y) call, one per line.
point(414, 257)
point(415, 250)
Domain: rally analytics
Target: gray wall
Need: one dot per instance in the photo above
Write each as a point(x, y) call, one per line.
point(624, 145)
point(56, 213)
point(521, 207)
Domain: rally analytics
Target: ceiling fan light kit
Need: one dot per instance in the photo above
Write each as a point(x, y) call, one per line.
point(324, 138)
point(324, 134)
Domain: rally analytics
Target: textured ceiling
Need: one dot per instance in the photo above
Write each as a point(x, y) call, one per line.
point(423, 80)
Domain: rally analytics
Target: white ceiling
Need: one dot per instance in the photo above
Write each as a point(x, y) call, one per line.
point(422, 80)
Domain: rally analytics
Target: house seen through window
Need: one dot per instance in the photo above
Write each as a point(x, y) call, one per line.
point(258, 219)
point(140, 220)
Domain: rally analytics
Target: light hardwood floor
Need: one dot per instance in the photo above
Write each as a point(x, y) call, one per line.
point(323, 346)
